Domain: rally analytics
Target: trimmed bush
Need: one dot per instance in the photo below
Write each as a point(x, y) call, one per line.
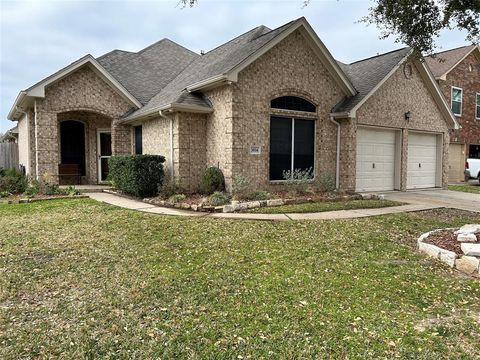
point(212, 181)
point(138, 175)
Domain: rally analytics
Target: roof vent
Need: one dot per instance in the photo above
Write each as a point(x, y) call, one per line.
point(202, 52)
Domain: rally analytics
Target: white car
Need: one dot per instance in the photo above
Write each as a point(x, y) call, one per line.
point(472, 169)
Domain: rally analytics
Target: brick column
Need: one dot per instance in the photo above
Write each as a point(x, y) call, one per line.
point(404, 160)
point(348, 154)
point(121, 138)
point(46, 150)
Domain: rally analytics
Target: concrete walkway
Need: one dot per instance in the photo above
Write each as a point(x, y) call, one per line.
point(340, 214)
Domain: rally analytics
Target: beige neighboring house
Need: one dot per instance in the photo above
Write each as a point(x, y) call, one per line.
point(11, 135)
point(457, 71)
point(262, 103)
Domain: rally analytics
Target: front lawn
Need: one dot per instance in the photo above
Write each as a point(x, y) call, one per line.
point(469, 188)
point(81, 279)
point(312, 207)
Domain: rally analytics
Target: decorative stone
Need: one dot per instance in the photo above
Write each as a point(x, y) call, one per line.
point(253, 204)
point(468, 265)
point(466, 237)
point(275, 202)
point(468, 229)
point(448, 257)
point(471, 249)
point(429, 249)
point(228, 208)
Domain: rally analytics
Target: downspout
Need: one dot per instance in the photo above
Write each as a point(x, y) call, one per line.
point(36, 139)
point(164, 115)
point(337, 173)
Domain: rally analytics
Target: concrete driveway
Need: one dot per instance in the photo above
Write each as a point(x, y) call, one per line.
point(438, 197)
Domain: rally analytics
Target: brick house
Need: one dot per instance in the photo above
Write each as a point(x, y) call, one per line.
point(458, 74)
point(262, 103)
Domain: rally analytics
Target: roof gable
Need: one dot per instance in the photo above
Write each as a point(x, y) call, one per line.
point(443, 62)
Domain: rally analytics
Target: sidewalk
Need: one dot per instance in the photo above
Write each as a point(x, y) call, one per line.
point(327, 215)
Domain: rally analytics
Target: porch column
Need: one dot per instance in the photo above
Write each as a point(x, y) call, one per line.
point(46, 147)
point(121, 138)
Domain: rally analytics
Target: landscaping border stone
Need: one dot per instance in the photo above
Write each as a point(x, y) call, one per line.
point(469, 265)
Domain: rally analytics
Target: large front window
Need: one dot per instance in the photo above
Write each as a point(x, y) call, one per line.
point(291, 145)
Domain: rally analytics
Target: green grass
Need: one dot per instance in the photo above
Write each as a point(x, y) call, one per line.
point(325, 206)
point(465, 188)
point(81, 279)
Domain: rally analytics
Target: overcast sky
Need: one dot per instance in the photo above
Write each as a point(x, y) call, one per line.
point(39, 37)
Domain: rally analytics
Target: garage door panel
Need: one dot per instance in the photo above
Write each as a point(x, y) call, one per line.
point(422, 160)
point(375, 169)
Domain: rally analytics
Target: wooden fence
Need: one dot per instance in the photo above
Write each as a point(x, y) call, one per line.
point(8, 155)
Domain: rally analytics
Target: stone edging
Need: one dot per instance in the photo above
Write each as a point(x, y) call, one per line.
point(469, 265)
point(31, 200)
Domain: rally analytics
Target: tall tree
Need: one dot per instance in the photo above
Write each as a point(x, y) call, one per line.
point(417, 23)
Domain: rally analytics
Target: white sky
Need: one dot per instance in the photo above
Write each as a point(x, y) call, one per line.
point(39, 37)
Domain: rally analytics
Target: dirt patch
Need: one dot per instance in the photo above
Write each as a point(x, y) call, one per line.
point(447, 215)
point(446, 239)
point(424, 324)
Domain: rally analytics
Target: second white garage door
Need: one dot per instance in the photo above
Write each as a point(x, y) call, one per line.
point(375, 159)
point(422, 160)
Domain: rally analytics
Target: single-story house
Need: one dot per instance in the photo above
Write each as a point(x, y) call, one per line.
point(457, 71)
point(263, 103)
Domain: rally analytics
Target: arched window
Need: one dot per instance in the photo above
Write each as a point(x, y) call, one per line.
point(292, 103)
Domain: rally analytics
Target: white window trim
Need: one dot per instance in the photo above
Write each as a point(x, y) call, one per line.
point(292, 157)
point(461, 100)
point(477, 105)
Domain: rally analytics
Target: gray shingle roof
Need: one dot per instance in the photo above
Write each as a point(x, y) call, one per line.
point(366, 74)
point(215, 62)
point(148, 71)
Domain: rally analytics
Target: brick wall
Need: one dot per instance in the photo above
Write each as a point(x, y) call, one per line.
point(290, 68)
point(465, 75)
point(387, 108)
point(82, 92)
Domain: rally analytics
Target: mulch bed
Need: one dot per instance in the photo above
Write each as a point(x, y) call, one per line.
point(446, 239)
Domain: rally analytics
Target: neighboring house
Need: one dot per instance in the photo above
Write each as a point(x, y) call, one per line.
point(265, 102)
point(458, 73)
point(10, 135)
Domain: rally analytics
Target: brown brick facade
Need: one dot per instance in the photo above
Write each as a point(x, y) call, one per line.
point(81, 96)
point(387, 107)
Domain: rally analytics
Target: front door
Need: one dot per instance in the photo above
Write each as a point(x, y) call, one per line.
point(104, 151)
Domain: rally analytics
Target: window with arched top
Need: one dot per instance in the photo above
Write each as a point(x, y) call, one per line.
point(292, 103)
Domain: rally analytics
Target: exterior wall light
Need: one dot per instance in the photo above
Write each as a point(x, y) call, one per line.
point(408, 115)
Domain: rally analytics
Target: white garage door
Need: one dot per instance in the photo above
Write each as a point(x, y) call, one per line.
point(375, 160)
point(422, 161)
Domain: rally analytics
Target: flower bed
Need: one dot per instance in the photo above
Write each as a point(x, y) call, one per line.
point(200, 203)
point(458, 248)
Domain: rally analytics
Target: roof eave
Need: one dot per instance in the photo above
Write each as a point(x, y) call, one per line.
point(14, 111)
point(172, 107)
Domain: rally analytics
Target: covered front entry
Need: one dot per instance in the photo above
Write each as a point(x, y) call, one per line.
point(376, 164)
point(84, 147)
point(423, 155)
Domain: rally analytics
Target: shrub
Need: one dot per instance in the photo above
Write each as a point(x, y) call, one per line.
point(257, 195)
point(12, 181)
point(298, 180)
point(240, 186)
point(71, 191)
point(138, 175)
point(212, 180)
point(326, 182)
point(4, 194)
point(218, 198)
point(176, 198)
point(168, 188)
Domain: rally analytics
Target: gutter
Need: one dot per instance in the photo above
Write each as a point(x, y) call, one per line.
point(337, 168)
point(16, 105)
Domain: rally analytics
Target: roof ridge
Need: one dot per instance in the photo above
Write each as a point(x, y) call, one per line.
point(231, 40)
point(379, 55)
point(277, 28)
point(112, 51)
point(164, 40)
